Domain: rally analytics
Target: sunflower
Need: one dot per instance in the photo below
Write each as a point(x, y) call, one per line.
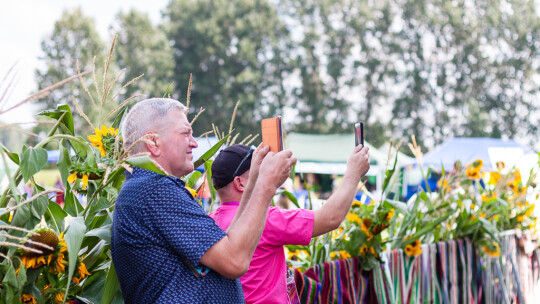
point(344, 254)
point(389, 215)
point(28, 299)
point(413, 249)
point(34, 260)
point(192, 191)
point(73, 177)
point(83, 272)
point(103, 139)
point(493, 251)
point(59, 297)
point(364, 249)
point(354, 218)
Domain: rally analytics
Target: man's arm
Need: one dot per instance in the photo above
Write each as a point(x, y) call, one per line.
point(232, 254)
point(335, 209)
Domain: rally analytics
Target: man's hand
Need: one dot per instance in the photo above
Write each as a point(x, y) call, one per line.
point(276, 168)
point(358, 163)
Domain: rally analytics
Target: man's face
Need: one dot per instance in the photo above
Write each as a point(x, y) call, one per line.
point(176, 144)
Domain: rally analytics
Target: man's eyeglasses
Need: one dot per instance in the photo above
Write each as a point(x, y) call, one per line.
point(248, 155)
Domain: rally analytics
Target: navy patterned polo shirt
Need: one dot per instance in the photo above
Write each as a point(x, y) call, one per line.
point(156, 223)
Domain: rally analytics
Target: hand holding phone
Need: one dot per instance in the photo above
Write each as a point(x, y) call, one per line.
point(359, 133)
point(272, 134)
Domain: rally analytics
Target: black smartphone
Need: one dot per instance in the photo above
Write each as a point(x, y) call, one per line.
point(359, 133)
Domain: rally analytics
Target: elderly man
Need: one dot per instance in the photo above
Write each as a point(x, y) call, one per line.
point(265, 281)
point(165, 248)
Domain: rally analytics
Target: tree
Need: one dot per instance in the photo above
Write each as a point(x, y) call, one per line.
point(232, 50)
point(74, 38)
point(143, 48)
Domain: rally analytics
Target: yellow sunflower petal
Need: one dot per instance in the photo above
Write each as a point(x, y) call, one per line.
point(84, 181)
point(72, 178)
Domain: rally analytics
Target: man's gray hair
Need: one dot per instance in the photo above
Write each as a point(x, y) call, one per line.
point(147, 115)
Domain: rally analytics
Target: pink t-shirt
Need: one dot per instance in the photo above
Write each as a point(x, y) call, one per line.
point(265, 280)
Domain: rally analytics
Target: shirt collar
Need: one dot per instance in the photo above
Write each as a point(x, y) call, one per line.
point(140, 173)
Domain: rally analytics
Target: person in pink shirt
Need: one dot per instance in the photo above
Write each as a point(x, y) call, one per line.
point(266, 279)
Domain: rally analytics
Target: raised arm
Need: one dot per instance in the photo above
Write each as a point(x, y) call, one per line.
point(232, 254)
point(335, 209)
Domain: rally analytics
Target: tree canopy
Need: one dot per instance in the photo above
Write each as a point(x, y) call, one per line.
point(432, 68)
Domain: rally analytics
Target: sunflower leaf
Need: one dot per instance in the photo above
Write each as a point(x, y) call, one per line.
point(32, 161)
point(74, 237)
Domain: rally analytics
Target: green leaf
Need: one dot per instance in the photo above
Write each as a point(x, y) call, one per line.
point(192, 178)
point(208, 154)
point(63, 112)
point(92, 256)
point(208, 170)
point(55, 216)
point(13, 156)
point(112, 285)
point(39, 206)
point(32, 161)
point(73, 238)
point(291, 197)
point(80, 149)
point(63, 164)
point(103, 233)
point(118, 119)
point(168, 90)
point(72, 205)
point(144, 162)
point(388, 174)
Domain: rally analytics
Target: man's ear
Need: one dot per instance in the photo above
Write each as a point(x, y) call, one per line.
point(239, 184)
point(152, 144)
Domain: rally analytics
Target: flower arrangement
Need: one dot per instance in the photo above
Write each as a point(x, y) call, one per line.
point(469, 202)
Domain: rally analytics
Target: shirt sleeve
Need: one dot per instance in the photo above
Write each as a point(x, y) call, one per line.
point(182, 223)
point(289, 227)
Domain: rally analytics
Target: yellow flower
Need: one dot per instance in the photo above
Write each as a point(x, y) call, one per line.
point(344, 254)
point(84, 181)
point(291, 254)
point(389, 215)
point(28, 299)
point(530, 210)
point(192, 191)
point(356, 203)
point(520, 218)
point(494, 177)
point(82, 273)
point(59, 265)
point(97, 139)
point(59, 297)
point(478, 163)
point(500, 165)
point(373, 252)
point(473, 172)
point(489, 196)
point(333, 254)
point(72, 178)
point(354, 218)
point(492, 252)
point(365, 229)
point(44, 290)
point(364, 250)
point(413, 249)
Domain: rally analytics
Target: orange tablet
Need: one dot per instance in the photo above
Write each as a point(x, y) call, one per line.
point(272, 134)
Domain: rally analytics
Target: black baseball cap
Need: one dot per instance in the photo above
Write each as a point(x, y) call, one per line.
point(230, 162)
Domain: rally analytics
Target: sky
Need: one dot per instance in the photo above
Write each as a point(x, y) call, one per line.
point(25, 23)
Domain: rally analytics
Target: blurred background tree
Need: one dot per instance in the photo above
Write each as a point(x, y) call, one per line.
point(433, 68)
point(74, 37)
